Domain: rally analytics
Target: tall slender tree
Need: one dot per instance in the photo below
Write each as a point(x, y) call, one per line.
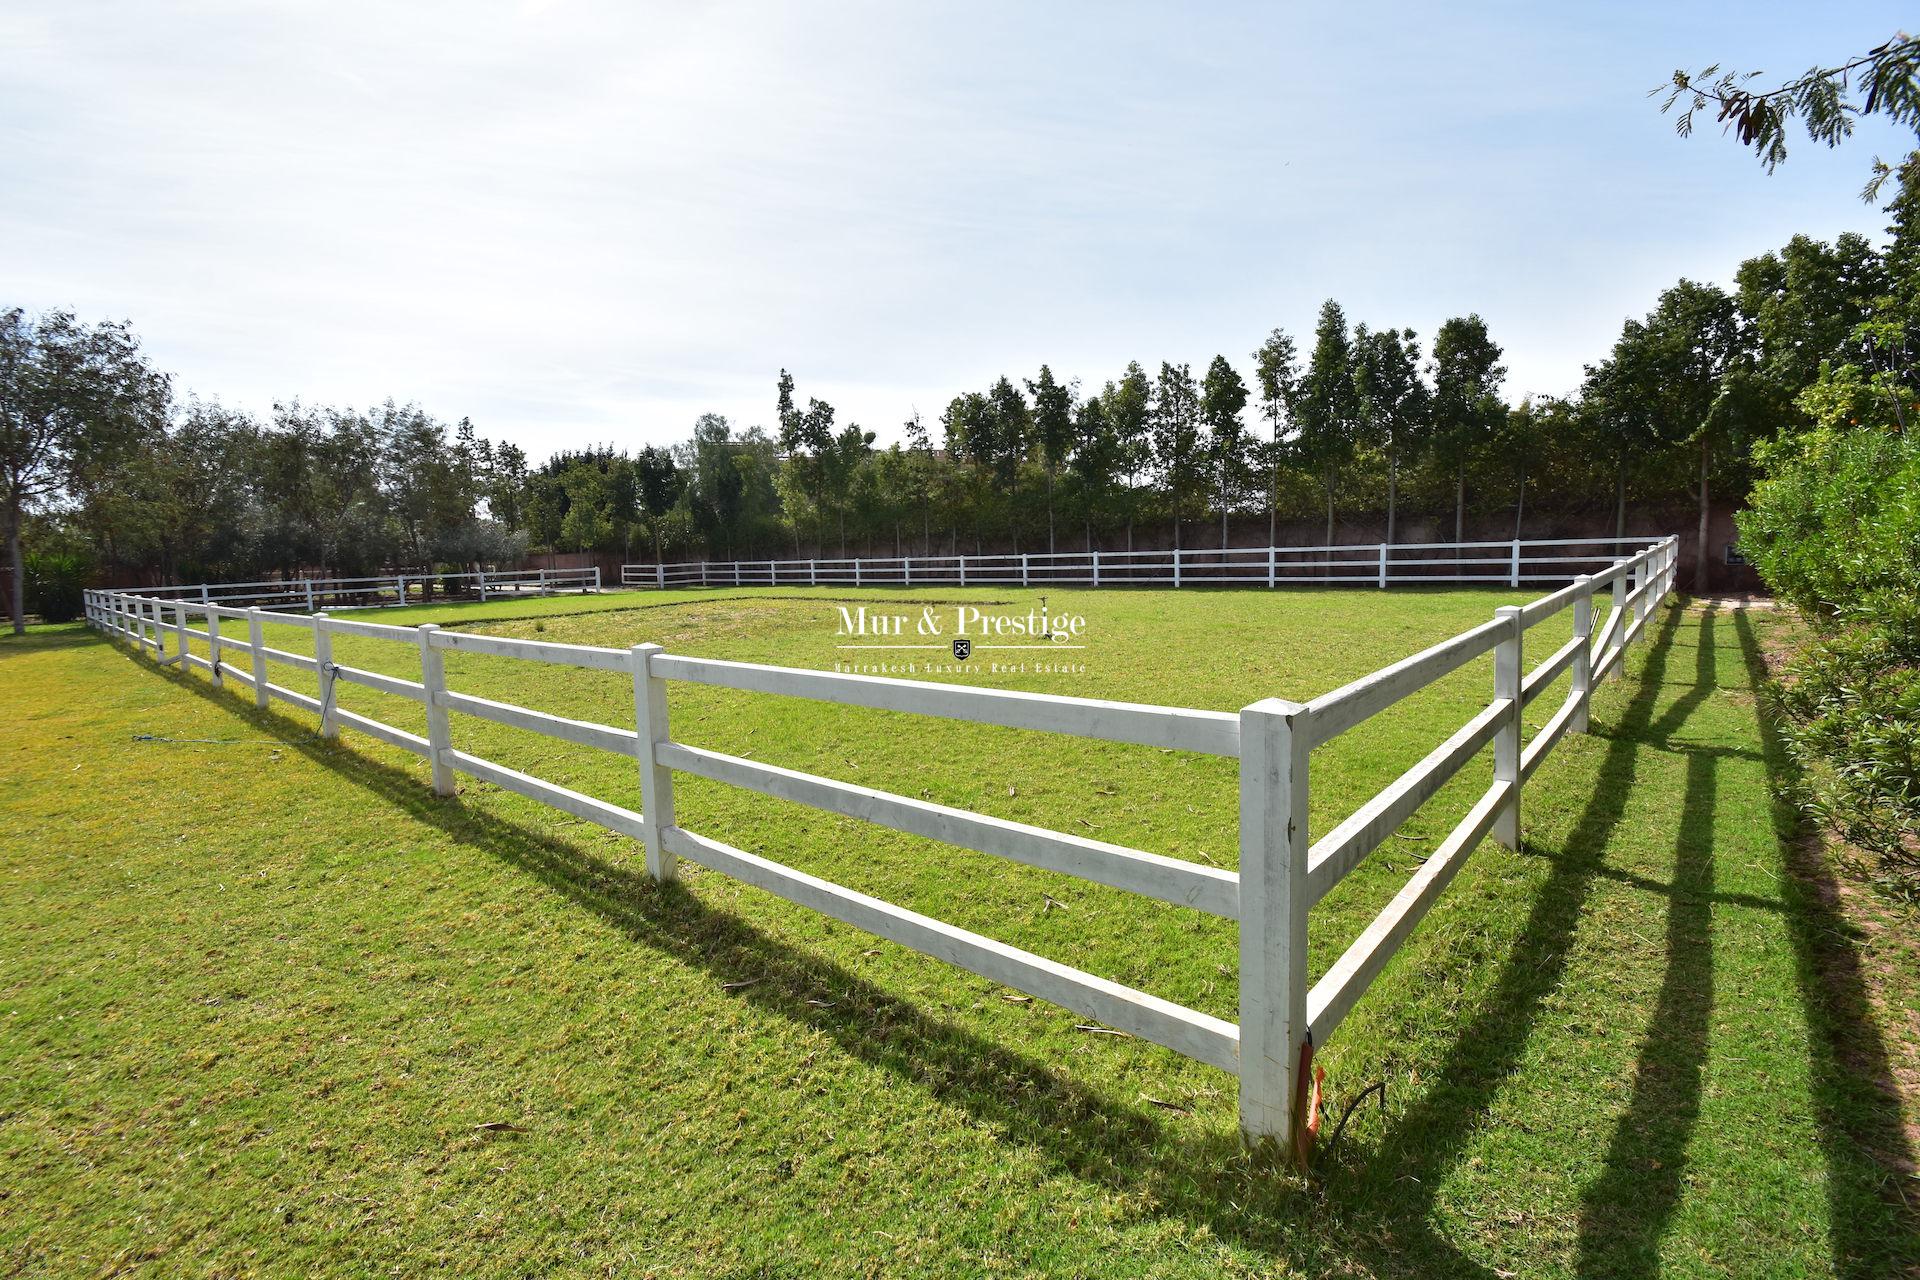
point(1277, 372)
point(1178, 449)
point(1222, 398)
point(1328, 422)
point(1466, 402)
point(1127, 406)
point(1393, 401)
point(1052, 431)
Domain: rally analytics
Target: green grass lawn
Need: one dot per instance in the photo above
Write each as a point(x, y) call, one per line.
point(260, 996)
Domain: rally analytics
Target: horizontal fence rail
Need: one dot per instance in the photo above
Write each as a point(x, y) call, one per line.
point(1513, 563)
point(1282, 872)
point(417, 587)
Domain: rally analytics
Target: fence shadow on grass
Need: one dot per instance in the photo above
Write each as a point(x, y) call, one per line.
point(1857, 1105)
point(1373, 1209)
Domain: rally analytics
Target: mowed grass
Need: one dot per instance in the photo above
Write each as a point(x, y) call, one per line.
point(268, 1006)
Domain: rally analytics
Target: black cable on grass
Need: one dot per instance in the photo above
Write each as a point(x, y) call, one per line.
point(1359, 1098)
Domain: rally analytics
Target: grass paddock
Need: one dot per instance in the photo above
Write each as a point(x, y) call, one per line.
point(268, 1006)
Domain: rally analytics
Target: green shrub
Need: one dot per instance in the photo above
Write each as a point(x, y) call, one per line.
point(56, 584)
point(1835, 529)
point(1834, 525)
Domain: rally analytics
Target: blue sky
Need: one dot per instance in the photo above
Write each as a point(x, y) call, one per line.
point(581, 223)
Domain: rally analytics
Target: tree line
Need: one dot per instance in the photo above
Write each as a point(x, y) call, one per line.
point(108, 474)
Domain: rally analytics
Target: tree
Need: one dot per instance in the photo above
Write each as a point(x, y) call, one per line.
point(66, 390)
point(659, 483)
point(1690, 380)
point(1095, 461)
point(1327, 421)
point(1127, 406)
point(1466, 402)
point(1885, 78)
point(1277, 371)
point(1177, 446)
point(1052, 431)
point(1222, 397)
point(1393, 400)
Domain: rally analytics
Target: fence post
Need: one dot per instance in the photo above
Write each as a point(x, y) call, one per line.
point(1583, 655)
point(1383, 566)
point(204, 597)
point(596, 582)
point(1176, 566)
point(1619, 607)
point(483, 594)
point(213, 648)
point(856, 575)
point(180, 634)
point(309, 585)
point(1096, 568)
point(1513, 572)
point(323, 670)
point(159, 633)
point(433, 676)
point(963, 570)
point(1023, 568)
point(257, 636)
point(1506, 742)
point(543, 582)
point(656, 780)
point(660, 575)
point(1274, 751)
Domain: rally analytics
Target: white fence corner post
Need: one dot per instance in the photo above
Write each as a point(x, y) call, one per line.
point(856, 575)
point(1513, 571)
point(1176, 566)
point(257, 636)
point(660, 575)
point(433, 676)
point(1583, 652)
point(1096, 568)
point(906, 571)
point(1383, 566)
point(656, 780)
point(323, 670)
point(1023, 568)
point(1274, 751)
point(543, 582)
point(1507, 669)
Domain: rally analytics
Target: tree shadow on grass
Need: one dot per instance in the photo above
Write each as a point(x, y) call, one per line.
point(1875, 1226)
point(1376, 1214)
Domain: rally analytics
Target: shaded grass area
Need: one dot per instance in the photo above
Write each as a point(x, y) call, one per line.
point(257, 995)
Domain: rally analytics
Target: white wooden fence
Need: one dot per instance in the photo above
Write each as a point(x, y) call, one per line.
point(386, 589)
point(1283, 869)
point(1513, 563)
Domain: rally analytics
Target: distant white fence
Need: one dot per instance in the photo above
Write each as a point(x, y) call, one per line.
point(385, 589)
point(1283, 871)
point(1513, 563)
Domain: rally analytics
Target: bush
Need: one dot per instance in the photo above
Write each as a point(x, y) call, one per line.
point(1834, 525)
point(56, 584)
point(1835, 529)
